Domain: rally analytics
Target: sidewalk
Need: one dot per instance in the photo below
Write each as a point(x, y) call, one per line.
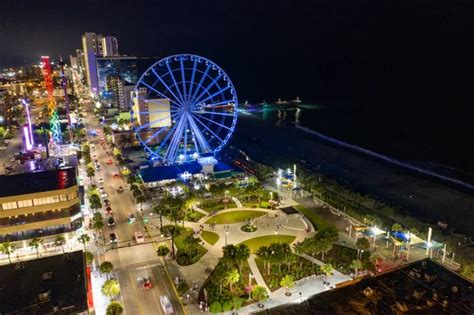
point(256, 273)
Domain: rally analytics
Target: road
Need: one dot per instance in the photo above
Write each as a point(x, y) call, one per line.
point(130, 260)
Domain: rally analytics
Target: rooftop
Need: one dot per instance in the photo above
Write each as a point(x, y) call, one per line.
point(38, 286)
point(423, 287)
point(33, 182)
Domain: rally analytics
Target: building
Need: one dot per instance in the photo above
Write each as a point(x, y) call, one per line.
point(422, 287)
point(111, 69)
point(51, 285)
point(206, 166)
point(110, 46)
point(39, 204)
point(117, 75)
point(92, 47)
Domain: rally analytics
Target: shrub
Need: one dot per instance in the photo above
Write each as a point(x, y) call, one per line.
point(215, 307)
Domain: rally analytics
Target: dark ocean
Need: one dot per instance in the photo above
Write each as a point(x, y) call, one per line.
point(438, 144)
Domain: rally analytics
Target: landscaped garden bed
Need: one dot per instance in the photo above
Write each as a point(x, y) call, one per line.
point(235, 216)
point(189, 248)
point(255, 243)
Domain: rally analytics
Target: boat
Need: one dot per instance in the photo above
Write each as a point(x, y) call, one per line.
point(281, 102)
point(296, 101)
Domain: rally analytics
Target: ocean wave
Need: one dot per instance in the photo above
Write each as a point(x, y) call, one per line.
point(385, 158)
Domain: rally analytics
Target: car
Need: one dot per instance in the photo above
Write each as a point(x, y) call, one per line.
point(107, 202)
point(104, 195)
point(94, 157)
point(102, 189)
point(166, 304)
point(139, 237)
point(110, 162)
point(116, 175)
point(108, 210)
point(113, 238)
point(120, 189)
point(145, 283)
point(110, 221)
point(97, 167)
point(101, 180)
point(131, 218)
point(96, 161)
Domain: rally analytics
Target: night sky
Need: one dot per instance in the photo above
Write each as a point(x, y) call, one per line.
point(413, 54)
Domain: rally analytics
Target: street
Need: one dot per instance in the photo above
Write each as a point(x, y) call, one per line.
point(130, 260)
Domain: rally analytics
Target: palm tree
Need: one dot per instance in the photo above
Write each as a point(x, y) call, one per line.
point(106, 267)
point(242, 253)
point(7, 248)
point(114, 308)
point(397, 227)
point(97, 216)
point(111, 288)
point(162, 251)
point(362, 244)
point(259, 293)
point(141, 199)
point(90, 171)
point(287, 282)
point(231, 278)
point(327, 269)
point(265, 254)
point(84, 239)
point(60, 242)
point(98, 225)
point(36, 243)
point(356, 265)
point(94, 201)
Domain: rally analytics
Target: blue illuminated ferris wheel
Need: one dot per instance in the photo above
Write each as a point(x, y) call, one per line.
point(184, 107)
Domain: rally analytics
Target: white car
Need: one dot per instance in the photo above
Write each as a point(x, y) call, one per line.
point(101, 180)
point(104, 195)
point(166, 304)
point(139, 237)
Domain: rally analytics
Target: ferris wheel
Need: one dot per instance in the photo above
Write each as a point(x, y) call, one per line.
point(183, 107)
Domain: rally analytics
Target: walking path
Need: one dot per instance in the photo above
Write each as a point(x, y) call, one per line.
point(256, 273)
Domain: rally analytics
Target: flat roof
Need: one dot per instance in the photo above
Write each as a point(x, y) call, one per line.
point(423, 287)
point(28, 183)
point(61, 280)
point(158, 173)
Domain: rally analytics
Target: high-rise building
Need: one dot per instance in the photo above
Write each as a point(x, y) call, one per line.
point(110, 46)
point(92, 47)
point(116, 75)
point(81, 63)
point(39, 204)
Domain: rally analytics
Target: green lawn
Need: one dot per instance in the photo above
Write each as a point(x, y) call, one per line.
point(318, 222)
point(235, 216)
point(255, 243)
point(210, 237)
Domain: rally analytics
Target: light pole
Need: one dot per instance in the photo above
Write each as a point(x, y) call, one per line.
point(226, 234)
point(250, 285)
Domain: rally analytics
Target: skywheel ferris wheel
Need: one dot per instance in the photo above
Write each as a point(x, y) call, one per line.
point(184, 106)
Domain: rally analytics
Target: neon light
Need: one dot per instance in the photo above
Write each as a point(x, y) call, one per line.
point(54, 120)
point(25, 103)
point(26, 133)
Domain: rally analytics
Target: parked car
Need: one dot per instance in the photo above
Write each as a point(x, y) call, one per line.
point(110, 221)
point(113, 238)
point(104, 195)
point(139, 237)
point(131, 218)
point(101, 180)
point(108, 210)
point(107, 202)
point(120, 189)
point(110, 162)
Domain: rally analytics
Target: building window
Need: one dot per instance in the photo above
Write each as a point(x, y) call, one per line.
point(62, 197)
point(72, 195)
point(9, 205)
point(25, 203)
